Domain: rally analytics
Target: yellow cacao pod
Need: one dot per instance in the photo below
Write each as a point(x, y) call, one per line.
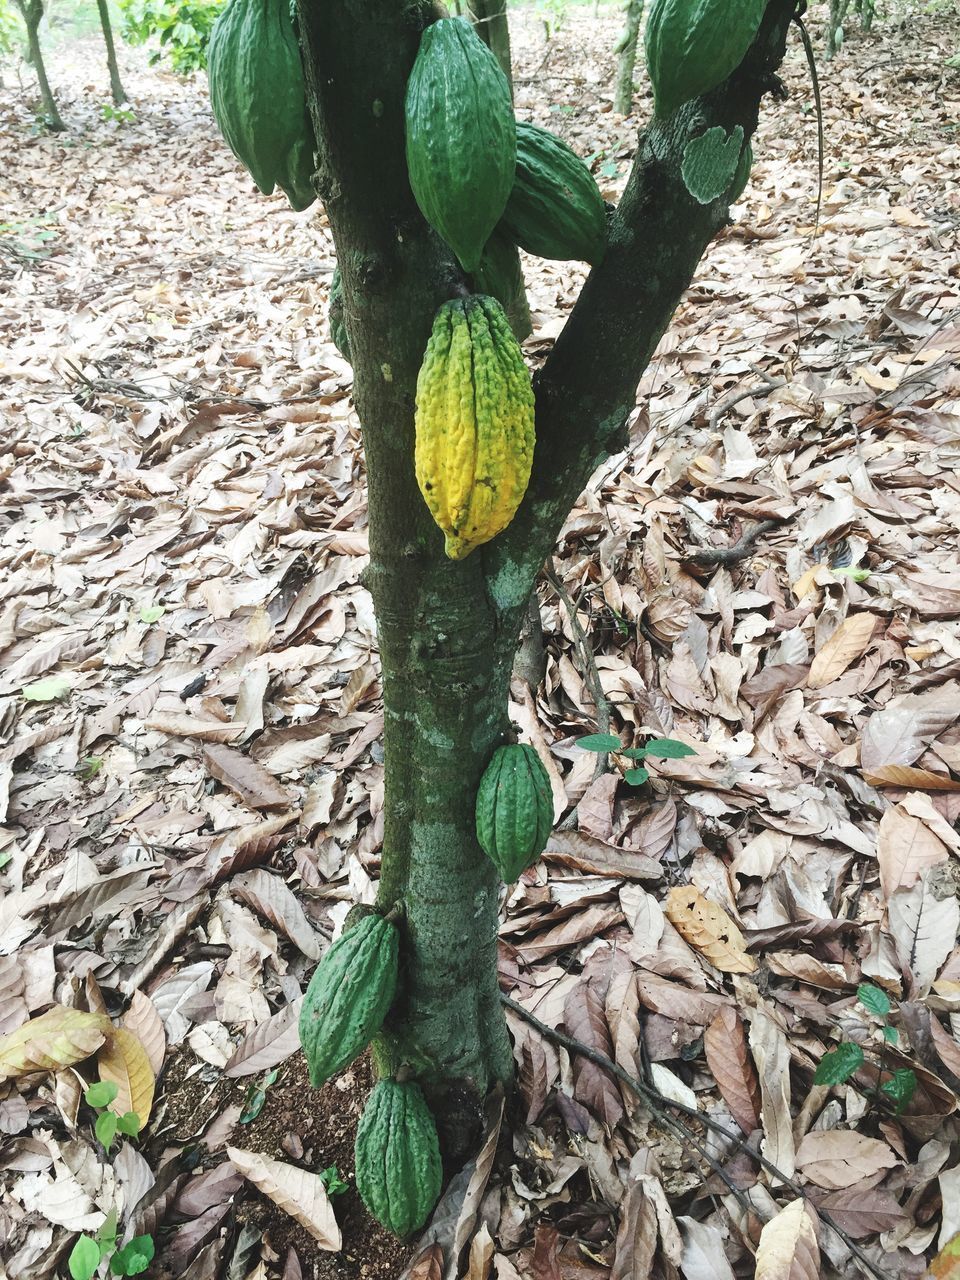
point(474, 423)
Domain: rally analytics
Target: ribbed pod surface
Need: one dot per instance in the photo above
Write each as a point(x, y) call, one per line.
point(397, 1153)
point(461, 137)
point(259, 97)
point(514, 809)
point(555, 209)
point(474, 423)
point(693, 45)
point(349, 996)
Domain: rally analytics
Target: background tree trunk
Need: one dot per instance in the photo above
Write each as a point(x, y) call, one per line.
point(626, 49)
point(32, 11)
point(490, 17)
point(448, 630)
point(834, 34)
point(116, 88)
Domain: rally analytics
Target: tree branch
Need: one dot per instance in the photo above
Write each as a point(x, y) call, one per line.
point(657, 235)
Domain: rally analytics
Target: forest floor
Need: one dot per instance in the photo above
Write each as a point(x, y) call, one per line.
point(190, 761)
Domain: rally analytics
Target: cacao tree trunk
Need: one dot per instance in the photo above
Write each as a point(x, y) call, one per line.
point(116, 88)
point(838, 13)
point(448, 630)
point(626, 49)
point(32, 11)
point(490, 17)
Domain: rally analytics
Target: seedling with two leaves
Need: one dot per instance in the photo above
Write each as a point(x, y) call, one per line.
point(837, 1066)
point(656, 748)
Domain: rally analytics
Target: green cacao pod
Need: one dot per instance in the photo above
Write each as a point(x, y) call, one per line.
point(555, 209)
point(338, 329)
point(397, 1157)
point(742, 176)
point(349, 996)
point(501, 276)
point(461, 137)
point(474, 423)
point(514, 810)
point(693, 45)
point(259, 96)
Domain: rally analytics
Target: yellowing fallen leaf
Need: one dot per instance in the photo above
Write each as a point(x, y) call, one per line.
point(56, 1039)
point(123, 1060)
point(709, 929)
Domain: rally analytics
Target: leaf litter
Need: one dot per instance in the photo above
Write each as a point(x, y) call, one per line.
point(191, 777)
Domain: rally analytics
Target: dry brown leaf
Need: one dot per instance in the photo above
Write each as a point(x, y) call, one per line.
point(295, 1191)
point(838, 1158)
point(709, 929)
point(848, 642)
point(143, 1020)
point(906, 846)
point(771, 1053)
point(247, 779)
point(788, 1248)
point(728, 1057)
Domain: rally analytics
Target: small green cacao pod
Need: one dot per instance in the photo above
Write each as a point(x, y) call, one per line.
point(500, 275)
point(349, 996)
point(397, 1157)
point(338, 329)
point(742, 175)
point(514, 810)
point(259, 96)
point(555, 209)
point(693, 45)
point(461, 137)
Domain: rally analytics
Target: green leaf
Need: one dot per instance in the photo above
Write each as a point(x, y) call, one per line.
point(891, 1035)
point(134, 1257)
point(839, 1064)
point(84, 1258)
point(636, 777)
point(151, 613)
point(334, 1184)
point(858, 575)
point(873, 999)
point(100, 1094)
point(633, 753)
point(600, 742)
point(47, 690)
point(106, 1128)
point(91, 766)
point(901, 1087)
point(668, 749)
point(129, 1123)
point(106, 1236)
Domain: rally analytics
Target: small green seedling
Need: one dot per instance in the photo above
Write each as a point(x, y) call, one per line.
point(837, 1066)
point(108, 1124)
point(334, 1184)
point(256, 1097)
point(656, 748)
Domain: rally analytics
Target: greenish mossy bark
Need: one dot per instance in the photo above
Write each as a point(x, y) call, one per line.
point(448, 630)
point(116, 87)
point(835, 21)
point(626, 51)
point(490, 17)
point(32, 11)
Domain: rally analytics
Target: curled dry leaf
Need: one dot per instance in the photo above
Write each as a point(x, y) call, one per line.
point(709, 929)
point(788, 1248)
point(143, 1020)
point(293, 1190)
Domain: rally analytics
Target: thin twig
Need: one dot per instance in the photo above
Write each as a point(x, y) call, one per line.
point(658, 1102)
point(728, 401)
point(739, 551)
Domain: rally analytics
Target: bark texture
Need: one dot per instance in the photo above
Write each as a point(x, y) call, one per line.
point(626, 52)
point(116, 87)
point(490, 18)
point(32, 11)
point(448, 631)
